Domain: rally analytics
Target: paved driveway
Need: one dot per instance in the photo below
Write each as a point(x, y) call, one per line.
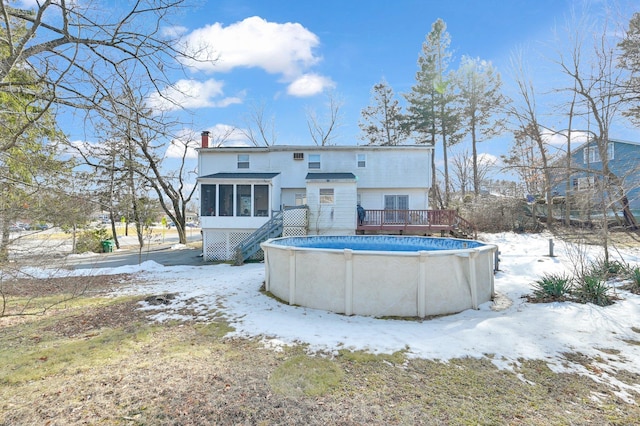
point(48, 249)
point(162, 254)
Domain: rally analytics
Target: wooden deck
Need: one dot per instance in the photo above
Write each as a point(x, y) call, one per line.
point(416, 222)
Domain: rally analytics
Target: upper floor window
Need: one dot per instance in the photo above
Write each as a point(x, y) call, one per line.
point(592, 155)
point(362, 160)
point(314, 161)
point(243, 161)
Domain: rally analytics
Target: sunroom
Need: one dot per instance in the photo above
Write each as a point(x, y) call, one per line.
point(232, 206)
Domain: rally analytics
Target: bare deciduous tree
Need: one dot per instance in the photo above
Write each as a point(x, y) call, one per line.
point(75, 49)
point(462, 166)
point(596, 82)
point(259, 129)
point(323, 131)
point(382, 122)
point(142, 135)
point(529, 132)
point(482, 100)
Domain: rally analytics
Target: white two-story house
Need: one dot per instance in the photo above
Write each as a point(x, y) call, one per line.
point(243, 188)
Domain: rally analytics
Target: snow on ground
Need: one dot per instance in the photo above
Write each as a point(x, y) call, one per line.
point(507, 331)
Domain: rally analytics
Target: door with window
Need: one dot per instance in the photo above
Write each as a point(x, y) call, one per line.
point(396, 207)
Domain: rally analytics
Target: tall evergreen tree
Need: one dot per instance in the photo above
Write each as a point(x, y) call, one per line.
point(430, 110)
point(381, 122)
point(28, 161)
point(630, 60)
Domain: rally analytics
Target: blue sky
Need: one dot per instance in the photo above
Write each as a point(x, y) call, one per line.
point(287, 55)
point(353, 46)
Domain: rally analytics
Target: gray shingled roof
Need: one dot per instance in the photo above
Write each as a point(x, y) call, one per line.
point(245, 175)
point(330, 176)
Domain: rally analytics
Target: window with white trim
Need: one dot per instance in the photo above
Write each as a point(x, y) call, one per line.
point(225, 197)
point(243, 161)
point(207, 200)
point(584, 183)
point(301, 199)
point(592, 155)
point(243, 200)
point(314, 161)
point(261, 200)
point(362, 160)
point(235, 200)
point(326, 196)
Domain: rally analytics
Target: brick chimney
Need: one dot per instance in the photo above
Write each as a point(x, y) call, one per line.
point(205, 139)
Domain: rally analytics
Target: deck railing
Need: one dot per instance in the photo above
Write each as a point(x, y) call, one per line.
point(433, 220)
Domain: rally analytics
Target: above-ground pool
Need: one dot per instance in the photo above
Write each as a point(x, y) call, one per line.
point(380, 275)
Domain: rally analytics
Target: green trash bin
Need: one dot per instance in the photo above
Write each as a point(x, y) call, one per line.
point(107, 246)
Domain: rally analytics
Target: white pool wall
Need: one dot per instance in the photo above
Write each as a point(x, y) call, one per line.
point(381, 283)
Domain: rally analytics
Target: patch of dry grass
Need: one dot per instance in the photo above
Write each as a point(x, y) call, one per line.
point(104, 363)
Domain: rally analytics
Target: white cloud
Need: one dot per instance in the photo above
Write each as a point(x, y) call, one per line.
point(559, 139)
point(174, 31)
point(226, 135)
point(286, 49)
point(78, 148)
point(309, 85)
point(219, 135)
point(488, 159)
point(192, 94)
point(176, 148)
point(254, 42)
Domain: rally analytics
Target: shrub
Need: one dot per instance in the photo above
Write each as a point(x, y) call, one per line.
point(552, 287)
point(633, 275)
point(91, 240)
point(607, 269)
point(592, 288)
point(497, 214)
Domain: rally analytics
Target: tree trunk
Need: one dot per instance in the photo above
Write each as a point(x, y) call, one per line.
point(4, 244)
point(474, 157)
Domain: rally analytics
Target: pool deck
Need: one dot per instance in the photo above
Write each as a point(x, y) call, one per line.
point(416, 222)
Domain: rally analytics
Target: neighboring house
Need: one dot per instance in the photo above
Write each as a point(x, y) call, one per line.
point(243, 188)
point(585, 177)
